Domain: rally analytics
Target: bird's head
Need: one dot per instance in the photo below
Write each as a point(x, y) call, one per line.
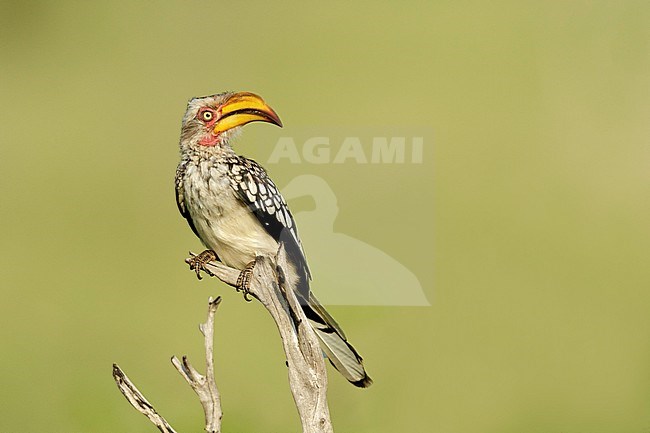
point(211, 120)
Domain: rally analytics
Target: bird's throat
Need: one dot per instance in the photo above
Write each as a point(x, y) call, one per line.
point(209, 140)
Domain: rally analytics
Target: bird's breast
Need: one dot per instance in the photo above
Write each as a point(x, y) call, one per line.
point(224, 223)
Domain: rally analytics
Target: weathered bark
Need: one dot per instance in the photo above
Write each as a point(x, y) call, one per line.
point(205, 386)
point(137, 400)
point(306, 367)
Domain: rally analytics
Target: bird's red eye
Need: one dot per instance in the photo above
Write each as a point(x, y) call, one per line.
point(207, 115)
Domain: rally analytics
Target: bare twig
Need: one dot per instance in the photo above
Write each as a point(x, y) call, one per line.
point(306, 368)
point(205, 386)
point(137, 400)
point(307, 374)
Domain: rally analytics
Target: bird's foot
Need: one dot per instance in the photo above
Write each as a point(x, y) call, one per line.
point(198, 262)
point(244, 280)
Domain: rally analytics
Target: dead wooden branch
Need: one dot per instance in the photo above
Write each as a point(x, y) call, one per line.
point(306, 367)
point(307, 374)
point(137, 400)
point(205, 386)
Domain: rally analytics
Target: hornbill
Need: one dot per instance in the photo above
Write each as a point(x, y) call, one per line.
point(236, 210)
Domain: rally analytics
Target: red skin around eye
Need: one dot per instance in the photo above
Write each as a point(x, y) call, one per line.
point(210, 139)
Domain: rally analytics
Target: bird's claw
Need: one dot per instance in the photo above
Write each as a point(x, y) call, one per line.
point(244, 280)
point(198, 262)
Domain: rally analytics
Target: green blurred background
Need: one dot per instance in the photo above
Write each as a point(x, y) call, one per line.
point(527, 223)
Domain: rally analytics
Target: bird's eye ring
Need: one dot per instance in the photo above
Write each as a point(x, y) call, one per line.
point(207, 116)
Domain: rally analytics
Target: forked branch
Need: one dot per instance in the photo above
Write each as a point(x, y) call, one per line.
point(204, 386)
point(306, 368)
point(307, 374)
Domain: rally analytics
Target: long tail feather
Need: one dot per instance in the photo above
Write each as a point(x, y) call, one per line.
point(340, 353)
